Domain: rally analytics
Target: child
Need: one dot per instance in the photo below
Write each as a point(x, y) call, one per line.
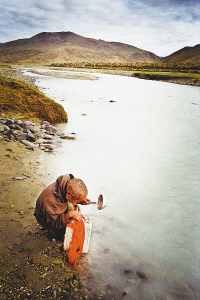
point(57, 204)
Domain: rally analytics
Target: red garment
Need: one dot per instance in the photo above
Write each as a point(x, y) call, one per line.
point(76, 244)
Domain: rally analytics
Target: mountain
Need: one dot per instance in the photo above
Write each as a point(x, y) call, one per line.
point(185, 55)
point(66, 47)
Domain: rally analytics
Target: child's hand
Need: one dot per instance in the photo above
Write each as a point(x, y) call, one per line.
point(75, 215)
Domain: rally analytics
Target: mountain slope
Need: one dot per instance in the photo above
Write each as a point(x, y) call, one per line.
point(64, 47)
point(185, 55)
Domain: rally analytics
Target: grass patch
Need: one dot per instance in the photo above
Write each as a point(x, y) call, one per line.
point(166, 75)
point(19, 97)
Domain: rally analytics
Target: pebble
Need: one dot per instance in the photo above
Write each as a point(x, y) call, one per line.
point(49, 147)
point(27, 143)
point(34, 128)
point(142, 275)
point(9, 122)
point(18, 122)
point(6, 128)
point(30, 137)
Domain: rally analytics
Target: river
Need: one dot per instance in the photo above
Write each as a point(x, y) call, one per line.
point(142, 152)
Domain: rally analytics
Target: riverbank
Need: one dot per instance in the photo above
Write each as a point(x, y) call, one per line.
point(172, 73)
point(191, 79)
point(32, 266)
point(178, 78)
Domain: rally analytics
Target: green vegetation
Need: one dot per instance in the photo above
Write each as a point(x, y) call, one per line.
point(19, 97)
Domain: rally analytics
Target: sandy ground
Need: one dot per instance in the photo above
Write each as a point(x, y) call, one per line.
point(17, 197)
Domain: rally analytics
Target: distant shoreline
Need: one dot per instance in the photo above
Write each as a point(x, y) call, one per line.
point(176, 77)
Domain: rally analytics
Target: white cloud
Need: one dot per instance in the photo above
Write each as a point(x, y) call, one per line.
point(151, 25)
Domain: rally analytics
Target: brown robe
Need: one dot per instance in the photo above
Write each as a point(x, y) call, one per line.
point(51, 206)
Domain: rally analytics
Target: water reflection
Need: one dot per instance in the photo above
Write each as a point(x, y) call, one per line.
point(142, 152)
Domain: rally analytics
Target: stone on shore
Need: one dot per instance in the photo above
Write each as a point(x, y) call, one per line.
point(31, 135)
point(28, 144)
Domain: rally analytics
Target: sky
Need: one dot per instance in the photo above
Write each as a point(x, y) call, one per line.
point(159, 26)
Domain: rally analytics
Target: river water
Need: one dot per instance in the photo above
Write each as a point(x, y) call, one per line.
point(142, 153)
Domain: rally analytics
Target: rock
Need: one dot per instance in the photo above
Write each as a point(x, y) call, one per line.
point(49, 147)
point(30, 137)
point(7, 140)
point(12, 126)
point(141, 275)
point(21, 137)
point(6, 128)
point(9, 122)
point(1, 138)
point(53, 128)
point(47, 150)
point(14, 133)
point(28, 144)
point(1, 128)
point(2, 121)
point(25, 124)
point(58, 133)
point(67, 137)
point(42, 135)
point(42, 148)
point(51, 133)
point(19, 178)
point(127, 272)
point(18, 122)
point(34, 128)
point(40, 141)
point(7, 133)
point(30, 148)
point(17, 127)
point(112, 101)
point(26, 130)
point(48, 137)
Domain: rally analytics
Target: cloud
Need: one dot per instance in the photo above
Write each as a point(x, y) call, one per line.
point(158, 26)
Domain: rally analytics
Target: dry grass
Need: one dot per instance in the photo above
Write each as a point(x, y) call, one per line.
point(19, 97)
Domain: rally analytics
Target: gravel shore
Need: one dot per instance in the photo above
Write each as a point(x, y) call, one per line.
point(16, 73)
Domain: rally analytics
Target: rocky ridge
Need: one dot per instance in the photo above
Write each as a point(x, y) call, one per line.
point(44, 136)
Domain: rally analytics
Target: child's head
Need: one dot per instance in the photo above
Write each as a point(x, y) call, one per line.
point(76, 190)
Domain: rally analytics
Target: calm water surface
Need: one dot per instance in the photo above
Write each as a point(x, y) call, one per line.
point(143, 153)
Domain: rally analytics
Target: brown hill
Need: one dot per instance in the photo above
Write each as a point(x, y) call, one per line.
point(67, 47)
point(186, 55)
